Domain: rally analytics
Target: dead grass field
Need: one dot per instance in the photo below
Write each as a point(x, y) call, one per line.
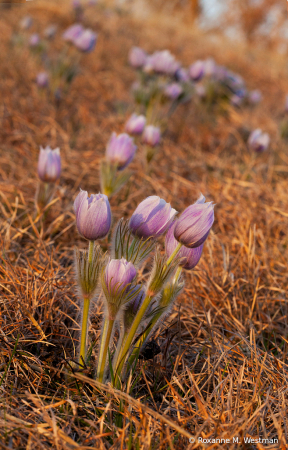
point(223, 368)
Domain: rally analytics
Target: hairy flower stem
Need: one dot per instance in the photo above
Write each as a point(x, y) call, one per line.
point(84, 329)
point(104, 346)
point(128, 342)
point(85, 314)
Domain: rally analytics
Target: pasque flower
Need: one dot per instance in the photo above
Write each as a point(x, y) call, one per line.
point(151, 218)
point(197, 70)
point(258, 141)
point(118, 276)
point(120, 150)
point(42, 79)
point(85, 41)
point(93, 215)
point(173, 90)
point(34, 40)
point(164, 62)
point(135, 124)
point(137, 57)
point(151, 135)
point(194, 224)
point(49, 164)
point(73, 32)
point(189, 256)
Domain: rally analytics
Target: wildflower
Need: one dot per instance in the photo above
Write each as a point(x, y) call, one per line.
point(194, 224)
point(118, 277)
point(255, 96)
point(197, 70)
point(42, 79)
point(49, 165)
point(164, 62)
point(151, 218)
point(189, 256)
point(85, 41)
point(258, 141)
point(210, 67)
point(34, 40)
point(93, 215)
point(151, 135)
point(73, 32)
point(173, 90)
point(137, 57)
point(135, 124)
point(182, 75)
point(120, 150)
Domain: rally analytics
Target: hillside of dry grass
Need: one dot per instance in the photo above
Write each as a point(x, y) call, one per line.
point(222, 370)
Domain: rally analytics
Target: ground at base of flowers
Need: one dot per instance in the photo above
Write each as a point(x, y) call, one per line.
point(222, 367)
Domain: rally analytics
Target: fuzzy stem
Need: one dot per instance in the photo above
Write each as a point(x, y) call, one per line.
point(126, 346)
point(90, 252)
point(84, 330)
point(121, 341)
point(104, 346)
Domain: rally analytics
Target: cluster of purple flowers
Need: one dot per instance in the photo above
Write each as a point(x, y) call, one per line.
point(82, 38)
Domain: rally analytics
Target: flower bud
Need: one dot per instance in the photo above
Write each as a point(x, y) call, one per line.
point(120, 150)
point(26, 22)
point(182, 75)
point(194, 224)
point(197, 70)
point(189, 256)
point(258, 141)
point(34, 40)
point(49, 165)
point(137, 57)
point(135, 124)
point(73, 32)
point(85, 41)
point(50, 31)
point(151, 135)
point(255, 96)
point(119, 275)
point(164, 62)
point(151, 218)
point(173, 90)
point(93, 215)
point(42, 79)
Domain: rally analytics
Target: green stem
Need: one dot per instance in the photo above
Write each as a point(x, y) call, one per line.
point(104, 346)
point(136, 323)
point(84, 329)
point(90, 252)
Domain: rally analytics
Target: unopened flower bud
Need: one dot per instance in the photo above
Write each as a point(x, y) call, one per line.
point(135, 124)
point(73, 32)
point(85, 41)
point(164, 62)
point(173, 91)
point(49, 165)
point(120, 150)
point(197, 70)
point(258, 141)
point(189, 256)
point(151, 218)
point(194, 224)
point(151, 135)
point(42, 79)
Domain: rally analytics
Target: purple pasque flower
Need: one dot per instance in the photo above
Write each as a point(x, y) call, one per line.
point(258, 141)
point(118, 276)
point(194, 224)
point(26, 22)
point(255, 96)
point(173, 90)
point(49, 164)
point(137, 57)
point(164, 62)
point(34, 40)
point(197, 70)
point(151, 218)
point(50, 31)
point(151, 135)
point(120, 150)
point(93, 215)
point(189, 256)
point(182, 75)
point(42, 79)
point(73, 32)
point(135, 124)
point(86, 41)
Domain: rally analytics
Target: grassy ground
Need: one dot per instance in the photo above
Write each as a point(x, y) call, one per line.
point(222, 371)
